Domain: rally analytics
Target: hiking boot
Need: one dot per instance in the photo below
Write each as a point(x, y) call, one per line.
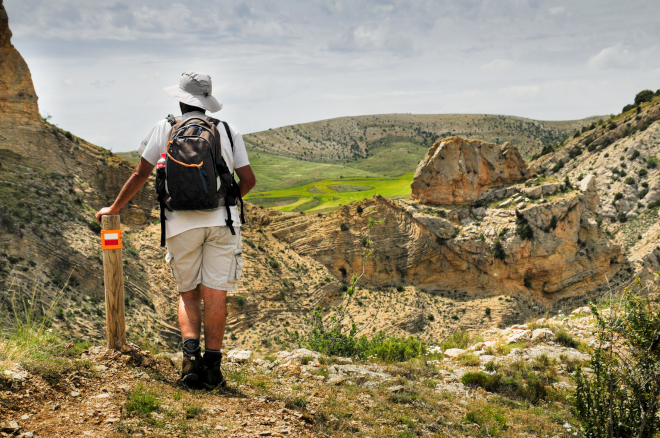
point(191, 368)
point(212, 377)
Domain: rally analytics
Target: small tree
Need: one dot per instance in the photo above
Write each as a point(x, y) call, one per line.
point(643, 96)
point(621, 397)
point(334, 338)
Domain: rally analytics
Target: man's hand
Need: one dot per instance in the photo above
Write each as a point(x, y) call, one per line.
point(135, 182)
point(104, 211)
point(246, 179)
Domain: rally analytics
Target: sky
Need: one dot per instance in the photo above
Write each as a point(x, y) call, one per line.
point(99, 68)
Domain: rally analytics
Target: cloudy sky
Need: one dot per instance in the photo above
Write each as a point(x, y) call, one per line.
point(99, 67)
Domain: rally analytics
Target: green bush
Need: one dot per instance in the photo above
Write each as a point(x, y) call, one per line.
point(618, 196)
point(652, 162)
point(634, 155)
point(627, 108)
point(396, 349)
point(642, 172)
point(240, 300)
point(622, 217)
point(652, 204)
point(619, 397)
point(359, 209)
point(141, 401)
point(523, 229)
point(630, 180)
point(643, 96)
point(558, 166)
point(94, 226)
point(460, 339)
point(498, 250)
point(343, 227)
point(566, 339)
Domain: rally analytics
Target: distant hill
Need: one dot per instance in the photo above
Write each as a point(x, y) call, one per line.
point(387, 145)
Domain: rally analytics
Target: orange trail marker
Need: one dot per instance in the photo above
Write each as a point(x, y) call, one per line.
point(113, 276)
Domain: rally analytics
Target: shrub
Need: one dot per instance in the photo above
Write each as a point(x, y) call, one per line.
point(487, 311)
point(567, 183)
point(620, 396)
point(523, 229)
point(94, 226)
point(359, 209)
point(557, 166)
point(642, 193)
point(141, 401)
point(652, 162)
point(612, 125)
point(618, 196)
point(343, 227)
point(634, 155)
point(430, 317)
point(566, 339)
point(630, 180)
point(622, 217)
point(273, 263)
point(240, 300)
point(642, 172)
point(652, 204)
point(459, 339)
point(498, 250)
point(627, 108)
point(643, 96)
point(395, 349)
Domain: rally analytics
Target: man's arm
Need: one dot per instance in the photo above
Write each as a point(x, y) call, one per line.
point(135, 182)
point(247, 179)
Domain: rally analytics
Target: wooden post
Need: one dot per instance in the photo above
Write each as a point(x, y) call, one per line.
point(113, 274)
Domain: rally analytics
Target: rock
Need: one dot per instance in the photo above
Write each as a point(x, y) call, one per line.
point(26, 435)
point(457, 170)
point(297, 355)
point(337, 380)
point(10, 427)
point(239, 356)
point(18, 99)
point(291, 367)
point(75, 393)
point(396, 389)
point(520, 205)
point(586, 310)
point(533, 192)
point(543, 335)
point(344, 360)
point(18, 376)
point(506, 203)
point(453, 353)
point(515, 352)
point(589, 192)
point(518, 336)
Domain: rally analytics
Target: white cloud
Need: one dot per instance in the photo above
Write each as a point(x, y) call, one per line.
point(617, 56)
point(557, 10)
point(497, 65)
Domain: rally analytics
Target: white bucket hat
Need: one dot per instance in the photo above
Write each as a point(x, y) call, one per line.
point(195, 89)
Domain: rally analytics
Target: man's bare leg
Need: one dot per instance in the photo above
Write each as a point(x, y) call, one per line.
point(215, 317)
point(190, 313)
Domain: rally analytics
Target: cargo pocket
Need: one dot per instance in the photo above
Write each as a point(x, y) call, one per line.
point(238, 264)
point(169, 258)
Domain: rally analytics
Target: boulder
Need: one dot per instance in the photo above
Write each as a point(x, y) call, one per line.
point(453, 353)
point(457, 170)
point(518, 336)
point(239, 356)
point(586, 310)
point(543, 335)
point(297, 355)
point(589, 192)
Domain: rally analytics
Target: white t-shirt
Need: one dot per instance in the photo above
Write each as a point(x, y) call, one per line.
point(177, 222)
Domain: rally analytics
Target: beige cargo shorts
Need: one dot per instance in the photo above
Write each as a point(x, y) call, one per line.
point(211, 256)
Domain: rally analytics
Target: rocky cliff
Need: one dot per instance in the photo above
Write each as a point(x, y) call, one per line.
point(18, 99)
point(457, 170)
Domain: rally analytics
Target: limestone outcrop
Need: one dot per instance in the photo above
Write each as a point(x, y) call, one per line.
point(457, 170)
point(18, 100)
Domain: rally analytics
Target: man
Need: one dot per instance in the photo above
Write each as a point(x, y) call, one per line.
point(203, 252)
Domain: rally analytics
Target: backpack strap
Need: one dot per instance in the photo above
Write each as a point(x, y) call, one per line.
point(171, 119)
point(233, 181)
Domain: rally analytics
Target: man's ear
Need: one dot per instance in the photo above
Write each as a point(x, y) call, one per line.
point(182, 107)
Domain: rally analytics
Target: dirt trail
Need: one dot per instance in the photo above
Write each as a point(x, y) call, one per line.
point(110, 394)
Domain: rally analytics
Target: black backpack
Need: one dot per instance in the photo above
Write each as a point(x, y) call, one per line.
point(195, 176)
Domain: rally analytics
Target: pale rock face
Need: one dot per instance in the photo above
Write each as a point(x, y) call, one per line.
point(18, 99)
point(453, 353)
point(543, 335)
point(239, 356)
point(588, 188)
point(456, 170)
point(518, 336)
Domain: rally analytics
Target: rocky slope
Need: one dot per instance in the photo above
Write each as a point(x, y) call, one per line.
point(351, 138)
point(622, 153)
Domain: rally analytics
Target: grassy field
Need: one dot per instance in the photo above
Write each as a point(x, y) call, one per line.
point(330, 194)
